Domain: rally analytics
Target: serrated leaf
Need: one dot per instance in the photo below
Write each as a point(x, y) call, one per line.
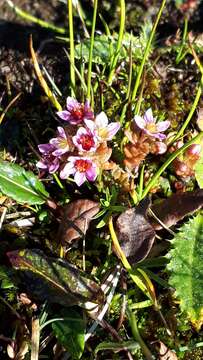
point(21, 185)
point(54, 280)
point(186, 267)
point(70, 333)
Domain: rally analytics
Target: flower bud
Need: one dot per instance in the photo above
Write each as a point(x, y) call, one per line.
point(193, 150)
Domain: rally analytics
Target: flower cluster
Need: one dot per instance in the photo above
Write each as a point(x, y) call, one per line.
point(145, 137)
point(80, 149)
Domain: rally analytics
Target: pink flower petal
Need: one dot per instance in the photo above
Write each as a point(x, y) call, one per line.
point(162, 126)
point(148, 116)
point(45, 148)
point(92, 173)
point(140, 122)
point(79, 178)
point(53, 167)
point(71, 103)
point(67, 170)
point(112, 129)
point(41, 165)
point(64, 115)
point(101, 120)
point(61, 132)
point(54, 142)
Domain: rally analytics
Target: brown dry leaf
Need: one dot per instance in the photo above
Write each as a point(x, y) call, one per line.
point(165, 353)
point(135, 234)
point(176, 207)
point(76, 219)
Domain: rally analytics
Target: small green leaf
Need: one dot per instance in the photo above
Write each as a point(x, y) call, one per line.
point(22, 186)
point(129, 345)
point(71, 332)
point(186, 267)
point(54, 280)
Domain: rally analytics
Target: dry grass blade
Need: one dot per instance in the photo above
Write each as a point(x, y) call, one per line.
point(35, 339)
point(8, 106)
point(41, 79)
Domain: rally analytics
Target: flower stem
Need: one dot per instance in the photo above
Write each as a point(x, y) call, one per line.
point(133, 324)
point(147, 51)
point(72, 50)
point(91, 51)
point(119, 42)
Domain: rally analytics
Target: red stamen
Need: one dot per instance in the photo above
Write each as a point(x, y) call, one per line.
point(86, 141)
point(82, 165)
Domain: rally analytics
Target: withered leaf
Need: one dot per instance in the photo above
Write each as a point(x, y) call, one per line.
point(135, 234)
point(54, 280)
point(165, 353)
point(76, 218)
point(176, 207)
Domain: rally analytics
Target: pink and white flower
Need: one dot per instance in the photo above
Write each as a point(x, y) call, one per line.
point(148, 125)
point(103, 129)
point(82, 168)
point(76, 112)
point(49, 161)
point(60, 143)
point(85, 140)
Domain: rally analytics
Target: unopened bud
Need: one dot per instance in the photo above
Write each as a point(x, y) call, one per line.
point(193, 150)
point(159, 148)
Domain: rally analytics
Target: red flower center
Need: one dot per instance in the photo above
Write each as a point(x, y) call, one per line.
point(86, 141)
point(78, 112)
point(82, 165)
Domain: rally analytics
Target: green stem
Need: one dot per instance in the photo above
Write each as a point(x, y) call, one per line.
point(147, 51)
point(179, 55)
point(171, 158)
point(91, 51)
point(190, 115)
point(72, 49)
point(133, 324)
point(119, 42)
point(34, 19)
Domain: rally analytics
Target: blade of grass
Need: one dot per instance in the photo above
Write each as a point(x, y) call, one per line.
point(147, 51)
point(133, 324)
point(119, 42)
point(72, 49)
point(80, 77)
point(171, 158)
point(8, 106)
point(41, 79)
point(196, 100)
point(180, 52)
point(89, 76)
point(25, 15)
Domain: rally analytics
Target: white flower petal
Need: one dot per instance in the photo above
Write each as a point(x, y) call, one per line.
point(148, 116)
point(101, 120)
point(79, 178)
point(140, 122)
